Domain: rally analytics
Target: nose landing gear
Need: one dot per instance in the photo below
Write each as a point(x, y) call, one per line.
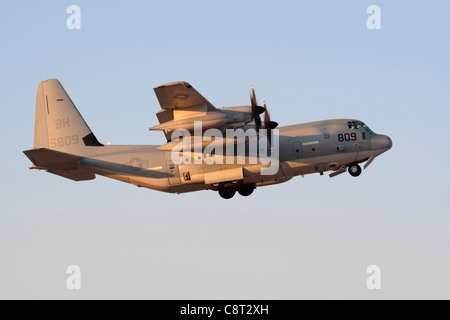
point(354, 170)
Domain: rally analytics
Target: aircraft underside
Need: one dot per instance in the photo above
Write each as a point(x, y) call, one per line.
point(182, 179)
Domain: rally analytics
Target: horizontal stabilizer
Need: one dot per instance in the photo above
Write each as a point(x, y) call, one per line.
point(59, 163)
point(51, 159)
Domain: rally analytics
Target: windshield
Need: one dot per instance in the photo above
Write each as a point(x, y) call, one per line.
point(356, 125)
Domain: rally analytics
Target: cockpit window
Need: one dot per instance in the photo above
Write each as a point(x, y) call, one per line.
point(356, 125)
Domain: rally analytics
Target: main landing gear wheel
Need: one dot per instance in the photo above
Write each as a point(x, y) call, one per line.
point(246, 190)
point(227, 194)
point(216, 186)
point(354, 170)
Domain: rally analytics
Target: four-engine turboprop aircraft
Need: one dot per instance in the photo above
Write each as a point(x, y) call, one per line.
point(194, 159)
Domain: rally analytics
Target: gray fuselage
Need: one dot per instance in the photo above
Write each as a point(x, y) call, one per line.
point(307, 148)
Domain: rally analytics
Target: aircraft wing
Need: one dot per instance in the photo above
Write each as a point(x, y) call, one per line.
point(179, 95)
point(183, 107)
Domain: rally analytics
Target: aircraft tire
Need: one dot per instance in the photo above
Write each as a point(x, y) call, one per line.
point(354, 170)
point(246, 190)
point(227, 194)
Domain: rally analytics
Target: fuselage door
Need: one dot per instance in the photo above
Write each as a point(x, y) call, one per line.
point(173, 173)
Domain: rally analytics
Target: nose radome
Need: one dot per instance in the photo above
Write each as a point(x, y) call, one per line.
point(389, 142)
point(381, 142)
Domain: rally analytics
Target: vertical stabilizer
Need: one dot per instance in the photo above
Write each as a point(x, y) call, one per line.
point(58, 124)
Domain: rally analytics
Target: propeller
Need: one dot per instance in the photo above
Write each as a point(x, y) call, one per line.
point(269, 125)
point(256, 110)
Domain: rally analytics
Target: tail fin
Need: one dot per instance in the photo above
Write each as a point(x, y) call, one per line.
point(58, 124)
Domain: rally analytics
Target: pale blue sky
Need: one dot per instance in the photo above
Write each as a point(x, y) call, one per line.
point(312, 237)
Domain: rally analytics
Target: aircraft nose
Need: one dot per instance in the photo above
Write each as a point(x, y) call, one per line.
point(381, 142)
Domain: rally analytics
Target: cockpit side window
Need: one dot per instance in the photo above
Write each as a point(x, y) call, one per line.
point(363, 125)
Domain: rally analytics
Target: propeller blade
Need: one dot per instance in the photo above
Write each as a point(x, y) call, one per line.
point(256, 110)
point(253, 97)
point(273, 124)
point(267, 122)
point(269, 125)
point(266, 115)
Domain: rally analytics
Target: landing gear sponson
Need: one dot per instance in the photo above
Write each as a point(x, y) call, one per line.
point(228, 190)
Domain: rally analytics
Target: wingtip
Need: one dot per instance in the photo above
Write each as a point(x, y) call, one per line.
point(172, 84)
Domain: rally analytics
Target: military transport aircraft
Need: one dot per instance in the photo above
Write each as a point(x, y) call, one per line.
point(64, 145)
